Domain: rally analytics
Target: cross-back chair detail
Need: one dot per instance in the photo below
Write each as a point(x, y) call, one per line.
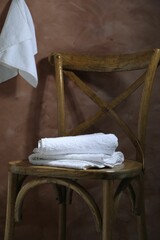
point(65, 180)
point(65, 63)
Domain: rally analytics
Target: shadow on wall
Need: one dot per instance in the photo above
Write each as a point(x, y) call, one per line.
point(41, 109)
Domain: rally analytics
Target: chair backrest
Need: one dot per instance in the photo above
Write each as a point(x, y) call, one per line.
point(66, 66)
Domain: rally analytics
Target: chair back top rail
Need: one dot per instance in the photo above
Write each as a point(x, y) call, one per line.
point(109, 63)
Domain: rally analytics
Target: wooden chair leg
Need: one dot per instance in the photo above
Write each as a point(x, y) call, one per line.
point(11, 196)
point(62, 212)
point(142, 230)
point(62, 221)
point(107, 210)
point(141, 219)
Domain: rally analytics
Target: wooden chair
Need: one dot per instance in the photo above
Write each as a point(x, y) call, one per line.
point(68, 180)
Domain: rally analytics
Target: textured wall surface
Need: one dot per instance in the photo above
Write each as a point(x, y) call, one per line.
point(26, 114)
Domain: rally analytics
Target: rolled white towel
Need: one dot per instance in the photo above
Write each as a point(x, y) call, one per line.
point(88, 143)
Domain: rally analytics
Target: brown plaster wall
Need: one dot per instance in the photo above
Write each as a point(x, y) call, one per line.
point(27, 114)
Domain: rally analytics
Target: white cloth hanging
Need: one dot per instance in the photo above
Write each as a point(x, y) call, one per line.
point(18, 44)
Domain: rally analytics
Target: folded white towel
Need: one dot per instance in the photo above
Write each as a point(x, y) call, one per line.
point(18, 44)
point(88, 143)
point(76, 164)
point(77, 161)
point(79, 152)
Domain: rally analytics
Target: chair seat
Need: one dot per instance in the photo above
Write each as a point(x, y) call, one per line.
point(129, 168)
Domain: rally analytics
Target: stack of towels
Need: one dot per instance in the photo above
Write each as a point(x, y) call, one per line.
point(96, 150)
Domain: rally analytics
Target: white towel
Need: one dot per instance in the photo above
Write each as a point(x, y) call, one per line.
point(79, 152)
point(77, 161)
point(88, 143)
point(76, 164)
point(18, 44)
